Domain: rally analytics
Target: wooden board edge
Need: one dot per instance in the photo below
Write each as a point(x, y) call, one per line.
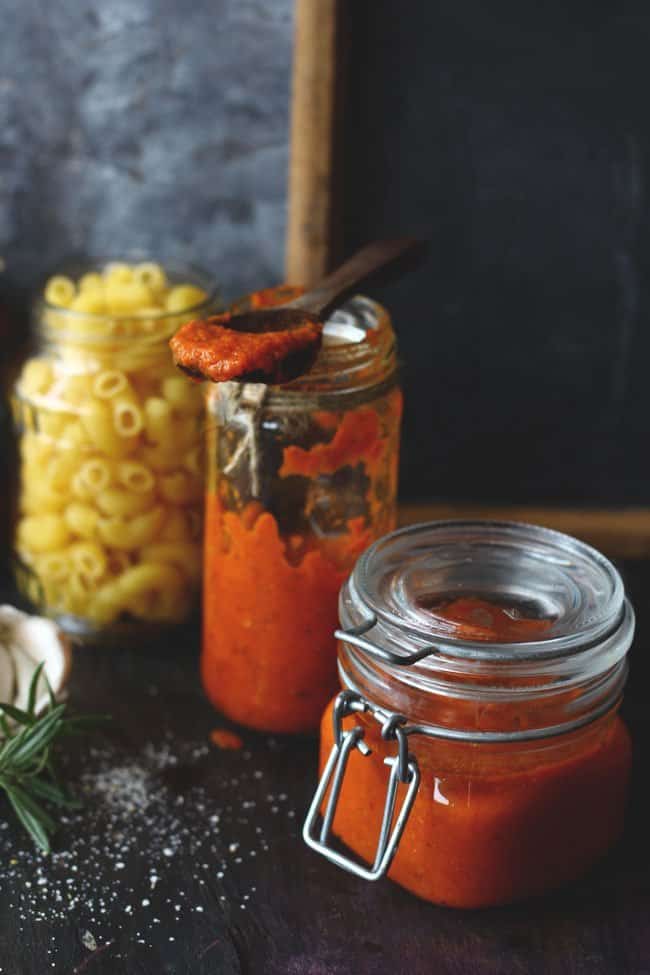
point(316, 99)
point(617, 532)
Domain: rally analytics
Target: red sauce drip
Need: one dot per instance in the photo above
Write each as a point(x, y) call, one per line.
point(225, 739)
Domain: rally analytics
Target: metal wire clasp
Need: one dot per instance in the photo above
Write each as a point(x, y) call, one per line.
point(356, 637)
point(403, 768)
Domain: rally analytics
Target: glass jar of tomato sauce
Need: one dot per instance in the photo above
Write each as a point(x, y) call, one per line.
point(301, 479)
point(476, 754)
point(108, 520)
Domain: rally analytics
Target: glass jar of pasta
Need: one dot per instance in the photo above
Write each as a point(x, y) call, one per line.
point(109, 499)
point(301, 478)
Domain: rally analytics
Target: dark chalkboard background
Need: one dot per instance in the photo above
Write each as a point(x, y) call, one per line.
point(514, 136)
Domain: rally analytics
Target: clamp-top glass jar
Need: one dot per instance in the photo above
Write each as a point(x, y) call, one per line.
point(109, 500)
point(301, 478)
point(484, 664)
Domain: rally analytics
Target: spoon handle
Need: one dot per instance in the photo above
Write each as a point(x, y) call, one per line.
point(333, 289)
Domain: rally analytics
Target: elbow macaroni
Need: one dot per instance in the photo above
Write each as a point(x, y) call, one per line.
point(135, 476)
point(111, 451)
point(153, 591)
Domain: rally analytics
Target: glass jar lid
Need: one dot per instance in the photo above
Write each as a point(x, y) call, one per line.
point(392, 633)
point(541, 573)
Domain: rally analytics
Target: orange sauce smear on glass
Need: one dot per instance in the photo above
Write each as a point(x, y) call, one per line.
point(491, 823)
point(270, 603)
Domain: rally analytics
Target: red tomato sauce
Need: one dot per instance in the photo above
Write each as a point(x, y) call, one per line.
point(270, 610)
point(210, 350)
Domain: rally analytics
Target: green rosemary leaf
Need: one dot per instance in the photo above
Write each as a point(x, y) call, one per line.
point(10, 745)
point(32, 807)
point(81, 723)
point(31, 740)
point(39, 764)
point(37, 823)
point(33, 687)
point(52, 792)
point(22, 717)
point(35, 828)
point(27, 773)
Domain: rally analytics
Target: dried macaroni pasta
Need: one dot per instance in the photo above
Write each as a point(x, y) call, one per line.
point(111, 451)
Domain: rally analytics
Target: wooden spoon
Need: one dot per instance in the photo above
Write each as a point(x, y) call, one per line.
point(275, 345)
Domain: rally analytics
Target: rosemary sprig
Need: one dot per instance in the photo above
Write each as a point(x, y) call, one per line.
point(27, 772)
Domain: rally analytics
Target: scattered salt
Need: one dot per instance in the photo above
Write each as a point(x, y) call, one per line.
point(131, 826)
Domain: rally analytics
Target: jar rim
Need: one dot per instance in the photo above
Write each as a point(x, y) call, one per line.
point(349, 366)
point(383, 591)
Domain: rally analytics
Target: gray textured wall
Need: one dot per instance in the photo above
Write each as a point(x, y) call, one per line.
point(157, 125)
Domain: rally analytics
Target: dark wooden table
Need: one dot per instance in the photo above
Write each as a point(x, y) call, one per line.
point(187, 858)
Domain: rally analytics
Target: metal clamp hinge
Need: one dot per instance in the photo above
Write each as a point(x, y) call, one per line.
point(356, 637)
point(403, 768)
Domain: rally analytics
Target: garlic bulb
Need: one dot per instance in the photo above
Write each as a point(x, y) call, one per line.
point(25, 642)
